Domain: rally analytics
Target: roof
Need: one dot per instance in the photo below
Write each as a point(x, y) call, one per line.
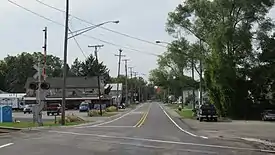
point(114, 86)
point(71, 82)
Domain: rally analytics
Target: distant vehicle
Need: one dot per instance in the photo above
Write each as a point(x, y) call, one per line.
point(14, 100)
point(53, 109)
point(84, 107)
point(27, 109)
point(268, 115)
point(122, 106)
point(208, 112)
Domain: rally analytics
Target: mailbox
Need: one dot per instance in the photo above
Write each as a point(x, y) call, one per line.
point(5, 114)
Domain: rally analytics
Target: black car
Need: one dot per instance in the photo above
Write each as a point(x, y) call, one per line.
point(207, 112)
point(268, 115)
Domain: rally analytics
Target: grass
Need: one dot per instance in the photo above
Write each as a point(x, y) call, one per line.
point(173, 106)
point(185, 113)
point(31, 124)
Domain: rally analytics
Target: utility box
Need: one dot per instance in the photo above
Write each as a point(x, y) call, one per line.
point(5, 114)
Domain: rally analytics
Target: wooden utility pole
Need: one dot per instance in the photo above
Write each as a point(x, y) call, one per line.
point(126, 80)
point(131, 86)
point(98, 77)
point(118, 74)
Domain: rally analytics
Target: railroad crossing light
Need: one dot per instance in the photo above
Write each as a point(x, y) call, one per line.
point(45, 85)
point(33, 86)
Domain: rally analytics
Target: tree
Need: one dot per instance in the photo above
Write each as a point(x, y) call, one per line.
point(225, 29)
point(90, 68)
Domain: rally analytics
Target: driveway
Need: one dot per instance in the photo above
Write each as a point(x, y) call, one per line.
point(157, 133)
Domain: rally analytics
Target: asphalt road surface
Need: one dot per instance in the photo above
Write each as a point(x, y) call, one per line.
point(147, 130)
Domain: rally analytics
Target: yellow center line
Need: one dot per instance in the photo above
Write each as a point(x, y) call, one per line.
point(142, 120)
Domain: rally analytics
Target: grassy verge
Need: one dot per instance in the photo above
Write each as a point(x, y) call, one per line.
point(173, 106)
point(185, 113)
point(31, 124)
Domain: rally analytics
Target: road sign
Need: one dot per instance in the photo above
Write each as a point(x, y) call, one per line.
point(36, 75)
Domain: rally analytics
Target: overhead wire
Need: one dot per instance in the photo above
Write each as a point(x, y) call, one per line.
point(107, 42)
point(78, 45)
point(102, 27)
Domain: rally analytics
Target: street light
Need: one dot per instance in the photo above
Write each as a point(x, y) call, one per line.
point(81, 31)
point(66, 38)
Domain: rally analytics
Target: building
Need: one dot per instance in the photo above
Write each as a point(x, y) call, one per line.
point(113, 92)
point(15, 100)
point(78, 89)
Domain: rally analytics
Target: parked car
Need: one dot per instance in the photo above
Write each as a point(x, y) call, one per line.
point(53, 109)
point(208, 112)
point(84, 107)
point(27, 109)
point(268, 115)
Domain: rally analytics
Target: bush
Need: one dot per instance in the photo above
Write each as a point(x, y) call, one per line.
point(71, 118)
point(111, 109)
point(93, 113)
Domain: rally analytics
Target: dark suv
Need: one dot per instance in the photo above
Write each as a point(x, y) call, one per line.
point(208, 112)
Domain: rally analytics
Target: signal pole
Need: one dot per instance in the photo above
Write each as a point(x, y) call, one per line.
point(118, 73)
point(98, 76)
point(126, 80)
point(135, 86)
point(45, 52)
point(65, 63)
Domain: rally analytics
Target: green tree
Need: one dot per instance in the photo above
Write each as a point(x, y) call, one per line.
point(225, 29)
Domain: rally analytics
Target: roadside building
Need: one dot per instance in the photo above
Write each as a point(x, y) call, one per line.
point(78, 89)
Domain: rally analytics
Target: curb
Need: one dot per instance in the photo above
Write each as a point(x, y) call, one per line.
point(10, 128)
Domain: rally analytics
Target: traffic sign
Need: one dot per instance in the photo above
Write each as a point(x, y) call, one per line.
point(38, 73)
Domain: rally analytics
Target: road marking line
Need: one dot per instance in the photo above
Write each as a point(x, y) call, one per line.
point(143, 120)
point(5, 145)
point(118, 117)
point(143, 115)
point(164, 141)
point(187, 132)
point(113, 127)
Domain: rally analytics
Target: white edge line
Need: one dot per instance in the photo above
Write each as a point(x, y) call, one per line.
point(164, 141)
point(187, 132)
point(117, 118)
point(5, 145)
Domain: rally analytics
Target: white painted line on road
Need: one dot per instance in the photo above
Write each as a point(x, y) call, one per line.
point(165, 142)
point(5, 145)
point(187, 132)
point(204, 137)
point(118, 117)
point(111, 126)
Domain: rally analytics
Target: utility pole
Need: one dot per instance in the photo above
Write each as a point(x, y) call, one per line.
point(193, 78)
point(45, 52)
point(65, 64)
point(118, 73)
point(135, 85)
point(98, 76)
point(126, 80)
point(131, 86)
point(201, 51)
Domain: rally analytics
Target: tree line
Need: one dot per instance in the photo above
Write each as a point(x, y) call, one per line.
point(233, 53)
point(14, 71)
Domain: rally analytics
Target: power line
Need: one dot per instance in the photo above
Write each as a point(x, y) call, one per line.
point(102, 27)
point(36, 13)
point(107, 42)
point(82, 51)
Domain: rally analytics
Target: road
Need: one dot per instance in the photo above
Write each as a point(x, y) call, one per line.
point(148, 130)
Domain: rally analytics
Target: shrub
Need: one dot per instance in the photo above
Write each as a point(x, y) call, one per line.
point(111, 109)
point(93, 113)
point(71, 118)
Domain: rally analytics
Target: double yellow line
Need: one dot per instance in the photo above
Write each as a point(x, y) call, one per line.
point(143, 118)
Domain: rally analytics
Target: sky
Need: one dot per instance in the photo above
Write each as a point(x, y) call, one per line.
point(21, 31)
